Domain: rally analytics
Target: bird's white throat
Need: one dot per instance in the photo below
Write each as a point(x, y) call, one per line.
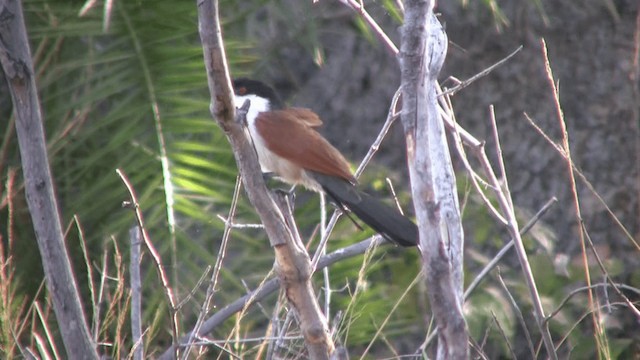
point(257, 105)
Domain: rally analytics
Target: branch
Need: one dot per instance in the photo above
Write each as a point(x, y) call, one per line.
point(155, 255)
point(270, 286)
point(424, 46)
point(291, 257)
point(15, 57)
point(135, 240)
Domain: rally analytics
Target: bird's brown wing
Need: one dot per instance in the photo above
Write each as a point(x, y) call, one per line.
point(291, 136)
point(306, 116)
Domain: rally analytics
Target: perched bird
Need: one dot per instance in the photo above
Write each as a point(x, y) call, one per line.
point(289, 146)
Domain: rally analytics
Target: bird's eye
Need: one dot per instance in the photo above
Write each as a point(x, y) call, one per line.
point(241, 90)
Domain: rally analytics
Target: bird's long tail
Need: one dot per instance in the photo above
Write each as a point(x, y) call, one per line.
point(382, 218)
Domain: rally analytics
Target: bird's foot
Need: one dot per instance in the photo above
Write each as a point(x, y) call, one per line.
point(289, 193)
point(268, 176)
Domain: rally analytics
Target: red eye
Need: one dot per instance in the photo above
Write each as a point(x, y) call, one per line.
point(241, 90)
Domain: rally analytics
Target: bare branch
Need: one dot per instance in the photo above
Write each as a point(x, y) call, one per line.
point(155, 255)
point(270, 286)
point(519, 315)
point(481, 74)
point(135, 240)
point(423, 49)
point(217, 267)
point(291, 257)
point(15, 57)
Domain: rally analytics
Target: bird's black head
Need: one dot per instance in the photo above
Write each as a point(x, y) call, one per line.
point(244, 87)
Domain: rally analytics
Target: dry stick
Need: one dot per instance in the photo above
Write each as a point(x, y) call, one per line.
point(633, 309)
point(481, 74)
point(635, 80)
point(193, 291)
point(586, 288)
point(4, 153)
point(504, 200)
point(270, 286)
point(392, 116)
point(492, 264)
point(587, 313)
point(216, 268)
point(157, 260)
point(586, 182)
point(17, 65)
point(446, 111)
point(388, 317)
point(103, 278)
point(595, 193)
point(95, 323)
point(358, 7)
point(323, 251)
point(507, 209)
point(135, 240)
point(272, 329)
point(504, 336)
point(576, 201)
point(475, 346)
point(242, 311)
point(519, 315)
point(48, 333)
point(291, 258)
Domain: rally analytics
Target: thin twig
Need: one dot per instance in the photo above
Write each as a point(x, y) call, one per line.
point(323, 251)
point(516, 308)
point(391, 311)
point(95, 323)
point(392, 116)
point(585, 181)
point(135, 258)
point(496, 259)
point(504, 336)
point(269, 286)
point(586, 288)
point(164, 279)
point(446, 110)
point(584, 316)
point(597, 324)
point(17, 66)
point(506, 205)
point(211, 289)
point(463, 84)
point(195, 288)
point(358, 7)
point(607, 277)
point(151, 91)
point(47, 331)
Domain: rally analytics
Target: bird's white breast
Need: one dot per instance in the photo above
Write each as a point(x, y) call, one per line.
point(269, 161)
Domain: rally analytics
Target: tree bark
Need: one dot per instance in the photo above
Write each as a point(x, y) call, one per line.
point(433, 185)
point(15, 57)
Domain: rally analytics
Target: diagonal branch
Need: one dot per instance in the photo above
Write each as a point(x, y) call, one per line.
point(292, 261)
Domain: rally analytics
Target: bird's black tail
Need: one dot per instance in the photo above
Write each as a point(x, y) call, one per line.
point(382, 218)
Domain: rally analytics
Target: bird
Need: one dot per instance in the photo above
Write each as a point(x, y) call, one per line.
point(290, 147)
